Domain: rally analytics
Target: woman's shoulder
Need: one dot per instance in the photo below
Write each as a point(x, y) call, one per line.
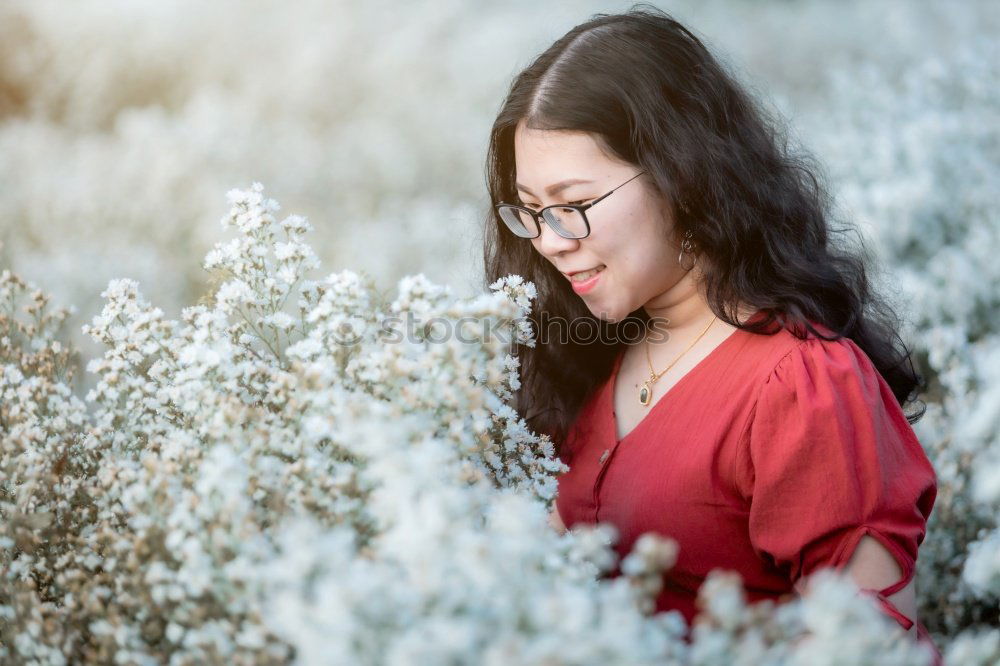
point(811, 364)
point(766, 349)
point(781, 346)
point(822, 350)
point(824, 404)
point(821, 376)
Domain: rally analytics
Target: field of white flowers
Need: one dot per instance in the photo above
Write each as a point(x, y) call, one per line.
point(194, 466)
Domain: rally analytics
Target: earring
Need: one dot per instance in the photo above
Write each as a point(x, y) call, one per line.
point(687, 245)
point(684, 206)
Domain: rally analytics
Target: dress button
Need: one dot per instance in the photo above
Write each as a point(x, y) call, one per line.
point(604, 456)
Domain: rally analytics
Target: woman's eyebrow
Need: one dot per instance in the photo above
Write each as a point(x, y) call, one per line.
point(557, 188)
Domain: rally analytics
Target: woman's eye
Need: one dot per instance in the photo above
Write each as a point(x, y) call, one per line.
point(533, 206)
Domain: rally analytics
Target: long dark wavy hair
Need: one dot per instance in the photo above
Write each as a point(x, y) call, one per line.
point(652, 95)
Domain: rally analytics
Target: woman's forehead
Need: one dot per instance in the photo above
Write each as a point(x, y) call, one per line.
point(530, 140)
point(544, 158)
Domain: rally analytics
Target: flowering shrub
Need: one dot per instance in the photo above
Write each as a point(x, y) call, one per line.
point(253, 485)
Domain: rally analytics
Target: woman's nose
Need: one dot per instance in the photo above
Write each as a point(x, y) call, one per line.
point(550, 243)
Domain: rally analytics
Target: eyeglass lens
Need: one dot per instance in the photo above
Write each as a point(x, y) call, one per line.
point(568, 222)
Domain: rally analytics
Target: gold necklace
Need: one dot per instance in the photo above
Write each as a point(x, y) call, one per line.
point(646, 392)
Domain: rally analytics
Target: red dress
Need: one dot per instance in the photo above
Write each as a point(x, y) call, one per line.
point(772, 457)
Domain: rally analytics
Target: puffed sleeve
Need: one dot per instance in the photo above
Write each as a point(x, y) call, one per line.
point(831, 459)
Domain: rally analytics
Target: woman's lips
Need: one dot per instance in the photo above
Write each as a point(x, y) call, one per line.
point(583, 286)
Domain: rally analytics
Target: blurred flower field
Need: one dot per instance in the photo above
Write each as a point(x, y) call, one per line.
point(195, 469)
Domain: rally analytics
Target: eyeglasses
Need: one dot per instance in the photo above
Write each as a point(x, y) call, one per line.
point(567, 220)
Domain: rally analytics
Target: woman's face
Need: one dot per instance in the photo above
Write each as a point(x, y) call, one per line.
point(631, 231)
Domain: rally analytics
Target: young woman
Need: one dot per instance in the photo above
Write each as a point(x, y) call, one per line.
point(738, 387)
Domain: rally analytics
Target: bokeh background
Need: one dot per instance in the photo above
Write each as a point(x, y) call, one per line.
point(123, 123)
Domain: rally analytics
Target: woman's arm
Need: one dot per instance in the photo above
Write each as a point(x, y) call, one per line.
point(555, 520)
point(872, 567)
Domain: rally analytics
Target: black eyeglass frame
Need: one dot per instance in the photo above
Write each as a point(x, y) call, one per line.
point(540, 213)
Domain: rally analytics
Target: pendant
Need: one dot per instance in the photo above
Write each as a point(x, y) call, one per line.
point(645, 393)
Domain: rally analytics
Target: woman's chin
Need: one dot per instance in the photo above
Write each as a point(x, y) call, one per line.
point(611, 317)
